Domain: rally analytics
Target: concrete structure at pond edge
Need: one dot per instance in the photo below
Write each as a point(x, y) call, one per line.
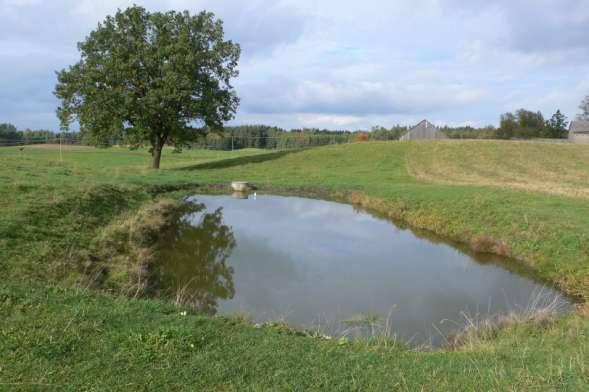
point(422, 131)
point(240, 186)
point(579, 131)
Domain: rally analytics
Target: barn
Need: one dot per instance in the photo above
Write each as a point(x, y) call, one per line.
point(422, 131)
point(579, 131)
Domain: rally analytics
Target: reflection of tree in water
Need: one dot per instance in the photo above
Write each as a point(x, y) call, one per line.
point(192, 262)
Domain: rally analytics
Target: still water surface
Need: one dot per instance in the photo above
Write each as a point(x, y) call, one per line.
point(327, 266)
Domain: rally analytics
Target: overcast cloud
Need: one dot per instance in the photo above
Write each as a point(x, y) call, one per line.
point(338, 64)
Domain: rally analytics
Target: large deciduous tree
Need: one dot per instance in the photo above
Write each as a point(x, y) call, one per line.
point(151, 78)
point(524, 124)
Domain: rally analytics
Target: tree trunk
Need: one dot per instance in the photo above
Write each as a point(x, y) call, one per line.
point(156, 153)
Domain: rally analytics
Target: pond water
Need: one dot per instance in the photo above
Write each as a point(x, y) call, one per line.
point(330, 267)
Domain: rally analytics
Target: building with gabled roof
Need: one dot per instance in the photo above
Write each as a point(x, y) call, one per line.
point(424, 131)
point(579, 131)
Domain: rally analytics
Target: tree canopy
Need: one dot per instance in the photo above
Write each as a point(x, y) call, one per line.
point(526, 124)
point(584, 115)
point(556, 127)
point(8, 131)
point(151, 78)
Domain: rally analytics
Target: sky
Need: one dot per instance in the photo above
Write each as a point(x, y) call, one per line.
point(337, 64)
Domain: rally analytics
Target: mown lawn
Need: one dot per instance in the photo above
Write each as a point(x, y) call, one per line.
point(57, 333)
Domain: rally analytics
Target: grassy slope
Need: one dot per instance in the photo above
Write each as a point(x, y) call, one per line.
point(559, 169)
point(50, 207)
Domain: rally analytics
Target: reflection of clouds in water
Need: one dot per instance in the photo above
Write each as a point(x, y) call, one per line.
point(322, 210)
point(305, 258)
point(321, 228)
point(292, 213)
point(262, 272)
point(340, 219)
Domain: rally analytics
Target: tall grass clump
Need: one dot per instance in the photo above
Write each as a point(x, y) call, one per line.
point(540, 313)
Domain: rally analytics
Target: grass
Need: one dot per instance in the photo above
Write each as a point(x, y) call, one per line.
point(57, 333)
point(551, 169)
point(75, 340)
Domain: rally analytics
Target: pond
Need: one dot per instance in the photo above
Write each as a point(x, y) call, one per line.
point(329, 267)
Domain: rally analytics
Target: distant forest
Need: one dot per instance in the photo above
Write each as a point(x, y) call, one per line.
point(262, 136)
point(523, 124)
point(10, 135)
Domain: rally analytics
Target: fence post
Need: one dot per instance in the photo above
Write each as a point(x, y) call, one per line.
point(60, 153)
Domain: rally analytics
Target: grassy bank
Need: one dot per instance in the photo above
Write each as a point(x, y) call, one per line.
point(68, 335)
point(69, 339)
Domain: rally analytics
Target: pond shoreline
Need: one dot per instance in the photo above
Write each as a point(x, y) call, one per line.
point(419, 224)
point(179, 194)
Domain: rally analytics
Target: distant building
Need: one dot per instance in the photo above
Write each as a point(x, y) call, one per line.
point(424, 130)
point(579, 131)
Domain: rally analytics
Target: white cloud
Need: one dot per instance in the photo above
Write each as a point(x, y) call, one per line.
point(310, 120)
point(18, 3)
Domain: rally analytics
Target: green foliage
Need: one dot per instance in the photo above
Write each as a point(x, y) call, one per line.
point(468, 132)
point(267, 137)
point(524, 124)
point(8, 132)
point(529, 120)
point(393, 133)
point(149, 78)
point(508, 126)
point(10, 135)
point(556, 127)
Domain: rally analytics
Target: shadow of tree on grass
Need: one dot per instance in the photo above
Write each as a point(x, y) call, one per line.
point(238, 161)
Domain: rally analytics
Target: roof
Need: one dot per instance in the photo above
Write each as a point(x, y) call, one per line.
point(579, 126)
point(424, 130)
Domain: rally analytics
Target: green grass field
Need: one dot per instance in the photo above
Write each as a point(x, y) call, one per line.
point(524, 200)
